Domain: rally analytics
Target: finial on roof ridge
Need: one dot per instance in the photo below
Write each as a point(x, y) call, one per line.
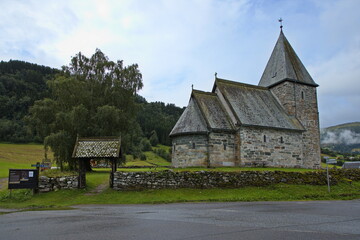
point(215, 75)
point(280, 21)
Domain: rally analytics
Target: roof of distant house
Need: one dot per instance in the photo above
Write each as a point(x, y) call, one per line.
point(351, 165)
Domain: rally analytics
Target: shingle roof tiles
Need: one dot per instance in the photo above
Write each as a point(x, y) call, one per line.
point(97, 148)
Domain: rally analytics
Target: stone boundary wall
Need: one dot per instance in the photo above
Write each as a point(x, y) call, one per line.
point(205, 179)
point(48, 184)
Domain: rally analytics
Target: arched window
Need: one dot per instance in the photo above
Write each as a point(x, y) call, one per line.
point(281, 140)
point(264, 138)
point(193, 145)
point(302, 95)
point(224, 146)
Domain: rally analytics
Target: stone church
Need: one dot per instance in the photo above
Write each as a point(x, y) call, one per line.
point(275, 123)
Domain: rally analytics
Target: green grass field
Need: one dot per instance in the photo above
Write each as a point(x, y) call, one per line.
point(280, 192)
point(22, 156)
point(19, 156)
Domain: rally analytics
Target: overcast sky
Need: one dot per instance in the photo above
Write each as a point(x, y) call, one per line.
point(178, 43)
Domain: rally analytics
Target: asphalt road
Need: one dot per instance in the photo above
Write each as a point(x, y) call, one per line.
point(253, 220)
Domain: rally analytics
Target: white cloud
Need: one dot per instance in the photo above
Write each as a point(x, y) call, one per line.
point(344, 137)
point(180, 43)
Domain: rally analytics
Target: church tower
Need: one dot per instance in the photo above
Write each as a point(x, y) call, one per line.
point(294, 88)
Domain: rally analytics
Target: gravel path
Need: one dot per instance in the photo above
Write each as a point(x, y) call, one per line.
point(99, 189)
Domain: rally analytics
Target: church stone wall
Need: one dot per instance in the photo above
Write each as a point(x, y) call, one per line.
point(190, 151)
point(307, 113)
point(270, 147)
point(222, 149)
point(300, 100)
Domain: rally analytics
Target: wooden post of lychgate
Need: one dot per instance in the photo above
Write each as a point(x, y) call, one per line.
point(113, 170)
point(82, 172)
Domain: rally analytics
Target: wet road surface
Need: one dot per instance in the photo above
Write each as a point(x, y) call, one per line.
point(252, 220)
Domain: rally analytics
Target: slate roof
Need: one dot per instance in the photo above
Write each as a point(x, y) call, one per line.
point(255, 106)
point(212, 110)
point(248, 105)
point(351, 165)
point(107, 147)
point(284, 65)
point(191, 121)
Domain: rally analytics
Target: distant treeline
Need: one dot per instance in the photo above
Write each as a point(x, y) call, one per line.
point(23, 83)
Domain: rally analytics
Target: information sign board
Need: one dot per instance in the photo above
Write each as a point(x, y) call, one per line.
point(40, 165)
point(23, 178)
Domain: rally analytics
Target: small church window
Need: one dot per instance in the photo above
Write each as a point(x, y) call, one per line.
point(302, 95)
point(193, 145)
point(281, 140)
point(264, 138)
point(224, 146)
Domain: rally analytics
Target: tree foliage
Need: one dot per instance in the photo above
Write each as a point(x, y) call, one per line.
point(21, 84)
point(90, 97)
point(158, 117)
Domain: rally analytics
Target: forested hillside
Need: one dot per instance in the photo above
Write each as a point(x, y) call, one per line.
point(21, 84)
point(158, 118)
point(344, 138)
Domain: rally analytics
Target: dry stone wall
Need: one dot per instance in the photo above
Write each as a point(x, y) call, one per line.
point(48, 184)
point(207, 179)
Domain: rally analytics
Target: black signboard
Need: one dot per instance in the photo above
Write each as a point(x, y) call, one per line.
point(23, 178)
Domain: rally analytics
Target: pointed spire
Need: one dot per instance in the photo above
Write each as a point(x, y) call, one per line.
point(284, 65)
point(280, 21)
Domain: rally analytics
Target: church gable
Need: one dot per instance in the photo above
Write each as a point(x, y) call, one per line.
point(191, 121)
point(256, 106)
point(213, 112)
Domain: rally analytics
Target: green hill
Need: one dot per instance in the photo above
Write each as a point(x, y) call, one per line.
point(344, 138)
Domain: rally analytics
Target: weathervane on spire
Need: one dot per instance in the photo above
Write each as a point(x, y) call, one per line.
point(280, 21)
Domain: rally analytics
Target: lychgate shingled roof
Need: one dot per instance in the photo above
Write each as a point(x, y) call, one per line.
point(284, 65)
point(105, 147)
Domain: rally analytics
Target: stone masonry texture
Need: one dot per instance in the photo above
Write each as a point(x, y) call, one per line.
point(209, 179)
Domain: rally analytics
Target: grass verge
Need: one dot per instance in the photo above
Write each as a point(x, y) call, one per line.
point(23, 199)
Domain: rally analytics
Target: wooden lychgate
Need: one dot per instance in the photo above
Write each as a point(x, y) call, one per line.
point(85, 149)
